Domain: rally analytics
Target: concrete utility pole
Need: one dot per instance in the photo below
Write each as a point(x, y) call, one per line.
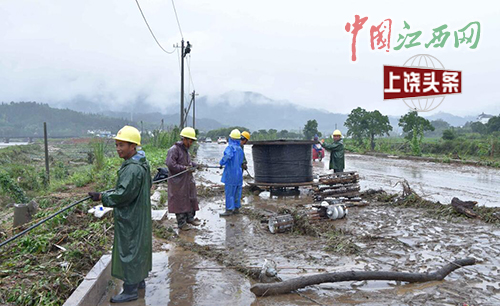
point(193, 98)
point(184, 51)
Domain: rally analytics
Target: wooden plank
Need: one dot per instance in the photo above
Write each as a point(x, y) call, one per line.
point(280, 184)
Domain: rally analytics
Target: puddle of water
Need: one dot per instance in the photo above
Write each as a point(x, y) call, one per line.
point(180, 277)
point(10, 144)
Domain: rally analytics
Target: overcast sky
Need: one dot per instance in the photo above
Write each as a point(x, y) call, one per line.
point(53, 51)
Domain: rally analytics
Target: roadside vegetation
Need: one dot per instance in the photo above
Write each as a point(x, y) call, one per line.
point(474, 141)
point(44, 266)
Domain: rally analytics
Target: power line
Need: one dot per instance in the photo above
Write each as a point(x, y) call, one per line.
point(151, 31)
point(177, 18)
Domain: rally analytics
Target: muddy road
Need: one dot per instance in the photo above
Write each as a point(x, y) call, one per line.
point(377, 237)
point(433, 181)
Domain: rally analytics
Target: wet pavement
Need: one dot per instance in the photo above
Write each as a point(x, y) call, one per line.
point(180, 277)
point(435, 181)
point(389, 239)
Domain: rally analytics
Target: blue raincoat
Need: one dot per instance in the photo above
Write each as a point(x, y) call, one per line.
point(232, 176)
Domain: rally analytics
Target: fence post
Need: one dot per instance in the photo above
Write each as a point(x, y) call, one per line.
point(47, 170)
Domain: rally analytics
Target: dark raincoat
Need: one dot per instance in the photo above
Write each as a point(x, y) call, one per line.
point(244, 157)
point(181, 189)
point(132, 247)
point(336, 154)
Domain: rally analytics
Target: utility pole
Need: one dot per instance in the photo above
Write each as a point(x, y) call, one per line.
point(193, 95)
point(184, 51)
point(182, 85)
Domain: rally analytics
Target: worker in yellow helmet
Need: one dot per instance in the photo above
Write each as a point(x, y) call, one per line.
point(132, 246)
point(232, 177)
point(182, 197)
point(245, 137)
point(336, 149)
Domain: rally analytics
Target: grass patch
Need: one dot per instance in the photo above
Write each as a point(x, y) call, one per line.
point(33, 271)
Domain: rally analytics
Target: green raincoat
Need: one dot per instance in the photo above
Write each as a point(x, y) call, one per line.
point(132, 247)
point(336, 150)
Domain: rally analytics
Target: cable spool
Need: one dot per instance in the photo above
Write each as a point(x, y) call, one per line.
point(280, 224)
point(282, 161)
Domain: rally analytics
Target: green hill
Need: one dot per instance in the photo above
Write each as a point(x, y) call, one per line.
point(27, 118)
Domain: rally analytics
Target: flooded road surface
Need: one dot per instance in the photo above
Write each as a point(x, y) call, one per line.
point(181, 277)
point(10, 144)
point(434, 181)
point(388, 238)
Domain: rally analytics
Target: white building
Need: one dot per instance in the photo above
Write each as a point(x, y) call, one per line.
point(483, 118)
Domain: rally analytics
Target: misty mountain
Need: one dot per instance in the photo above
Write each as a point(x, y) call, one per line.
point(152, 120)
point(256, 112)
point(249, 109)
point(27, 118)
point(452, 119)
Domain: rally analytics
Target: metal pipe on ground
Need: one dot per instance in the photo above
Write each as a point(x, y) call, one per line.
point(73, 205)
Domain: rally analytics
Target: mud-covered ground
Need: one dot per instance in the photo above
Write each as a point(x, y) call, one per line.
point(209, 265)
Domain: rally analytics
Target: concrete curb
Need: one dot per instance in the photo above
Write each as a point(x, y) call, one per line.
point(93, 286)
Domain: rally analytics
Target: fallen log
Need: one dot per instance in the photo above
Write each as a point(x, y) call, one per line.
point(464, 207)
point(304, 281)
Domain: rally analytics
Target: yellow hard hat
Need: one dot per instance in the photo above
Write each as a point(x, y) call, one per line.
point(337, 133)
point(246, 135)
point(235, 134)
point(129, 134)
point(188, 132)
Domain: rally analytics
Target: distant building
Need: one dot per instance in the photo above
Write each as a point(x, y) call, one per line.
point(99, 133)
point(483, 118)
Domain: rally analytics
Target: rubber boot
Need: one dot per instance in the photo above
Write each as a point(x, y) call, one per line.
point(236, 211)
point(186, 227)
point(226, 213)
point(194, 222)
point(142, 285)
point(129, 293)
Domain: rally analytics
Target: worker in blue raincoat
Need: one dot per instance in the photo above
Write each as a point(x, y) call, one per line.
point(232, 177)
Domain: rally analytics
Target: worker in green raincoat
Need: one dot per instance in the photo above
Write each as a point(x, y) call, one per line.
point(336, 149)
point(132, 247)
